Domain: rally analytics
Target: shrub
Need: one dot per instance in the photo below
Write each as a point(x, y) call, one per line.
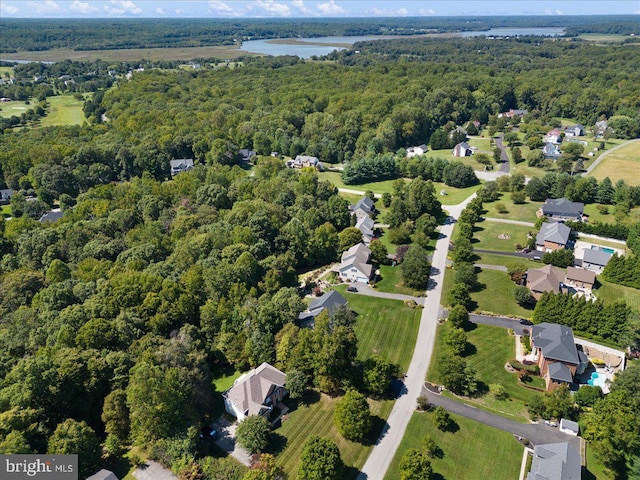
point(423, 403)
point(501, 208)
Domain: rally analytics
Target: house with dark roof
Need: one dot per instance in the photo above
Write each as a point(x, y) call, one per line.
point(247, 155)
point(354, 264)
point(555, 351)
point(363, 207)
point(462, 150)
point(103, 475)
point(51, 216)
point(545, 279)
point(255, 392)
point(551, 151)
point(552, 236)
point(574, 130)
point(562, 209)
point(5, 195)
point(366, 226)
point(595, 259)
point(180, 165)
point(580, 278)
point(513, 113)
point(555, 461)
point(330, 301)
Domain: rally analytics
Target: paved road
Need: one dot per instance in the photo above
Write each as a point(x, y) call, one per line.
point(534, 432)
point(389, 440)
point(358, 192)
point(504, 322)
point(484, 266)
point(512, 222)
point(151, 470)
point(364, 289)
point(505, 165)
point(604, 155)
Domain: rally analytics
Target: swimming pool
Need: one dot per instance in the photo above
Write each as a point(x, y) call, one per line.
point(608, 250)
point(597, 380)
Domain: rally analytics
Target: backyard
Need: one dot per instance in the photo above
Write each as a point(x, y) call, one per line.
point(503, 237)
point(391, 281)
point(524, 212)
point(621, 164)
point(496, 454)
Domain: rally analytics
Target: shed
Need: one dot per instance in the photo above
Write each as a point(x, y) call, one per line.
point(569, 426)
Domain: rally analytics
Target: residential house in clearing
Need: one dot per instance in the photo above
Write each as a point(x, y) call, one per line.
point(180, 165)
point(551, 151)
point(330, 301)
point(545, 279)
point(5, 195)
point(247, 155)
point(574, 131)
point(462, 150)
point(415, 151)
point(553, 136)
point(552, 236)
point(555, 461)
point(255, 392)
point(366, 226)
point(555, 351)
point(51, 217)
point(354, 264)
point(363, 207)
point(580, 278)
point(561, 209)
point(595, 259)
point(601, 128)
point(305, 161)
point(103, 475)
point(513, 113)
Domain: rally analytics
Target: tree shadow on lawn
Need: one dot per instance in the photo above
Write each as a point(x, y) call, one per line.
point(469, 349)
point(379, 428)
point(277, 443)
point(436, 476)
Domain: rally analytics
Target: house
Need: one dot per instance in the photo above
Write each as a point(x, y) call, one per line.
point(51, 216)
point(569, 426)
point(595, 259)
point(551, 151)
point(415, 151)
point(354, 264)
point(513, 113)
point(366, 227)
point(562, 209)
point(553, 136)
point(462, 150)
point(601, 127)
point(247, 155)
point(330, 301)
point(255, 392)
point(580, 278)
point(305, 161)
point(545, 279)
point(5, 195)
point(555, 461)
point(5, 99)
point(574, 131)
point(180, 165)
point(552, 236)
point(555, 351)
point(364, 206)
point(103, 475)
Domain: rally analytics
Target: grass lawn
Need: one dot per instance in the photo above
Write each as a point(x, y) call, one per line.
point(5, 70)
point(391, 281)
point(474, 451)
point(595, 470)
point(611, 292)
point(624, 164)
point(63, 110)
point(524, 212)
point(495, 259)
point(5, 210)
point(492, 348)
point(221, 383)
point(15, 107)
point(315, 417)
point(376, 187)
point(454, 195)
point(497, 295)
point(486, 236)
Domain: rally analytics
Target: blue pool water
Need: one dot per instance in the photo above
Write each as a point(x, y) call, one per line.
point(597, 380)
point(608, 250)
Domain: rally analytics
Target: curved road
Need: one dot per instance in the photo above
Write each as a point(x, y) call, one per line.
point(385, 448)
point(604, 154)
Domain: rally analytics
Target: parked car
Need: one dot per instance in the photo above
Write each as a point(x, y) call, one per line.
point(551, 424)
point(352, 289)
point(524, 321)
point(208, 432)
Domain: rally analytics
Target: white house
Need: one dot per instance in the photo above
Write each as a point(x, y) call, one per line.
point(553, 136)
point(180, 165)
point(462, 150)
point(415, 151)
point(354, 266)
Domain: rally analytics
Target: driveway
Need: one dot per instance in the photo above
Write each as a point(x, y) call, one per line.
point(226, 440)
point(504, 322)
point(151, 470)
point(505, 166)
point(530, 256)
point(512, 222)
point(364, 289)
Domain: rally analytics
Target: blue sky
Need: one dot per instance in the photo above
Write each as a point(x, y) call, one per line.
point(306, 8)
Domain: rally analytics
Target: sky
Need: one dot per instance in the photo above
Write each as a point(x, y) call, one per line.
point(306, 8)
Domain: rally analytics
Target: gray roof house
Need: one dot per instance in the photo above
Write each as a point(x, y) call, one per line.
point(555, 461)
point(103, 475)
point(365, 204)
point(552, 236)
point(255, 392)
point(247, 155)
point(569, 426)
point(5, 195)
point(51, 216)
point(562, 208)
point(180, 165)
point(462, 150)
point(354, 264)
point(574, 130)
point(366, 226)
point(551, 151)
point(595, 259)
point(330, 301)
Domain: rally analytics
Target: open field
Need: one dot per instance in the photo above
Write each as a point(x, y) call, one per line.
point(494, 259)
point(15, 107)
point(485, 236)
point(315, 417)
point(624, 164)
point(492, 348)
point(5, 70)
point(375, 187)
point(391, 281)
point(611, 292)
point(63, 110)
point(603, 37)
point(184, 53)
point(454, 195)
point(524, 212)
point(474, 451)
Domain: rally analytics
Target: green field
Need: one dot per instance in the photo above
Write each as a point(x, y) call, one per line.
point(624, 163)
point(495, 259)
point(474, 451)
point(486, 236)
point(63, 110)
point(15, 107)
point(6, 70)
point(611, 292)
point(316, 418)
point(524, 212)
point(454, 195)
point(391, 281)
point(494, 347)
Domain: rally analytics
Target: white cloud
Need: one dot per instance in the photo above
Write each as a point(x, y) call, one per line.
point(123, 7)
point(330, 8)
point(6, 9)
point(217, 7)
point(402, 11)
point(559, 12)
point(430, 11)
point(179, 11)
point(300, 6)
point(82, 7)
point(46, 7)
point(271, 7)
point(160, 11)
point(553, 12)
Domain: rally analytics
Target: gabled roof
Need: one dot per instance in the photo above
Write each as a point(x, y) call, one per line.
point(562, 207)
point(103, 475)
point(596, 257)
point(569, 425)
point(556, 342)
point(250, 391)
point(550, 150)
point(181, 163)
point(545, 279)
point(581, 275)
point(553, 232)
point(358, 252)
point(555, 461)
point(366, 225)
point(365, 204)
point(560, 372)
point(331, 301)
point(464, 145)
point(52, 216)
point(306, 159)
